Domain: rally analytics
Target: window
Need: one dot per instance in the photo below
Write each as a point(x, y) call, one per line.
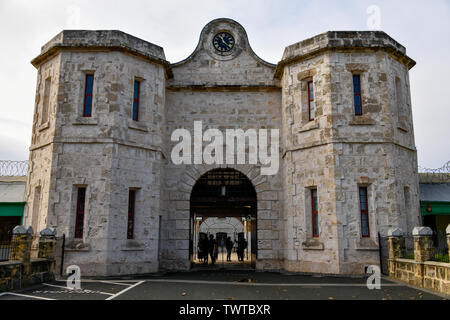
point(131, 207)
point(365, 232)
point(398, 93)
point(311, 103)
point(79, 219)
point(314, 213)
point(407, 198)
point(401, 112)
point(36, 209)
point(88, 95)
point(136, 96)
point(357, 94)
point(45, 104)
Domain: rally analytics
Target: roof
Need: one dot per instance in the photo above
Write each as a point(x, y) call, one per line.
point(434, 192)
point(12, 191)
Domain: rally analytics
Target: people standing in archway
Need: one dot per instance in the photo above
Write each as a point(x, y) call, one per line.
point(229, 245)
point(203, 248)
point(212, 248)
point(242, 245)
point(206, 249)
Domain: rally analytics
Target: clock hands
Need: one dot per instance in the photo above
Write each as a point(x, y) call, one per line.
point(225, 42)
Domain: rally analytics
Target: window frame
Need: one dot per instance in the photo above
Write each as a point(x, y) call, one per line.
point(314, 213)
point(308, 83)
point(46, 100)
point(131, 213)
point(80, 212)
point(364, 212)
point(86, 95)
point(357, 94)
point(136, 100)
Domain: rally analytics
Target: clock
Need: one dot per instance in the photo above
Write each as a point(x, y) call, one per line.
point(223, 42)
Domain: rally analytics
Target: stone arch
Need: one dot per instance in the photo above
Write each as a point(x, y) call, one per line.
point(230, 223)
point(178, 224)
point(194, 172)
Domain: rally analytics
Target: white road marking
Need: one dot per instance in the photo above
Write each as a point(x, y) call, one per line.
point(25, 296)
point(272, 284)
point(74, 290)
point(124, 290)
point(117, 283)
point(97, 281)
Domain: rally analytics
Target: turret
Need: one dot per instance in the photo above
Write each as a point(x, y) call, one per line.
point(350, 160)
point(97, 147)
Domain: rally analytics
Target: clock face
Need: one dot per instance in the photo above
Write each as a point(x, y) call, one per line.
point(223, 42)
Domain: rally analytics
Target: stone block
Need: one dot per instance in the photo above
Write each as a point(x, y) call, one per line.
point(422, 231)
point(395, 232)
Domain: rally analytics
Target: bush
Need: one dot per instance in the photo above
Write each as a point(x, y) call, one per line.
point(441, 257)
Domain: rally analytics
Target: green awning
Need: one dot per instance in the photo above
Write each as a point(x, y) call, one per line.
point(11, 209)
point(434, 208)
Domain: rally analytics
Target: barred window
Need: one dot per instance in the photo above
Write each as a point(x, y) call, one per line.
point(314, 213)
point(136, 98)
point(365, 232)
point(88, 95)
point(357, 94)
point(311, 103)
point(131, 209)
point(79, 220)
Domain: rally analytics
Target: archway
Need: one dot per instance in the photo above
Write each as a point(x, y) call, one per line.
point(225, 196)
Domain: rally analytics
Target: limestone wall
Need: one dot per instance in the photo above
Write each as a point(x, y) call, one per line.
point(338, 151)
point(108, 153)
point(224, 92)
point(38, 189)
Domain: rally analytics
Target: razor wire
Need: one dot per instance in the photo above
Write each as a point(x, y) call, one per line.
point(441, 174)
point(10, 168)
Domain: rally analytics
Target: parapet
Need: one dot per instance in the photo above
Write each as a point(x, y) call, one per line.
point(344, 40)
point(101, 40)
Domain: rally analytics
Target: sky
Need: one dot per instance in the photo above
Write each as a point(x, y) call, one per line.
point(423, 27)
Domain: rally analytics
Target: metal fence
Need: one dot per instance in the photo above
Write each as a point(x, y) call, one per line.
point(11, 168)
point(6, 247)
point(408, 249)
point(383, 251)
point(59, 254)
point(439, 244)
point(440, 247)
point(5, 250)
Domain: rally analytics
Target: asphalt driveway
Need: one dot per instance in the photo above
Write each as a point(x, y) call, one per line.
point(214, 285)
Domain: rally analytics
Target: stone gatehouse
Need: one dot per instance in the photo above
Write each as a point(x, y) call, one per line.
point(100, 168)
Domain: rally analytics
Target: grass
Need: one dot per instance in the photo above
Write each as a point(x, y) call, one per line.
point(441, 258)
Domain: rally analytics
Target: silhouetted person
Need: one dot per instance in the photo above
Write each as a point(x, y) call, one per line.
point(212, 248)
point(229, 245)
point(242, 244)
point(203, 249)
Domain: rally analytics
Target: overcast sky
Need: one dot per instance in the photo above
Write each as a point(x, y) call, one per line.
point(423, 27)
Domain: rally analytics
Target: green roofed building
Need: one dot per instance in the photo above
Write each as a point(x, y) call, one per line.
point(12, 203)
point(434, 194)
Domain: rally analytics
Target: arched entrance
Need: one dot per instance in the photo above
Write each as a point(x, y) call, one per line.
point(220, 200)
